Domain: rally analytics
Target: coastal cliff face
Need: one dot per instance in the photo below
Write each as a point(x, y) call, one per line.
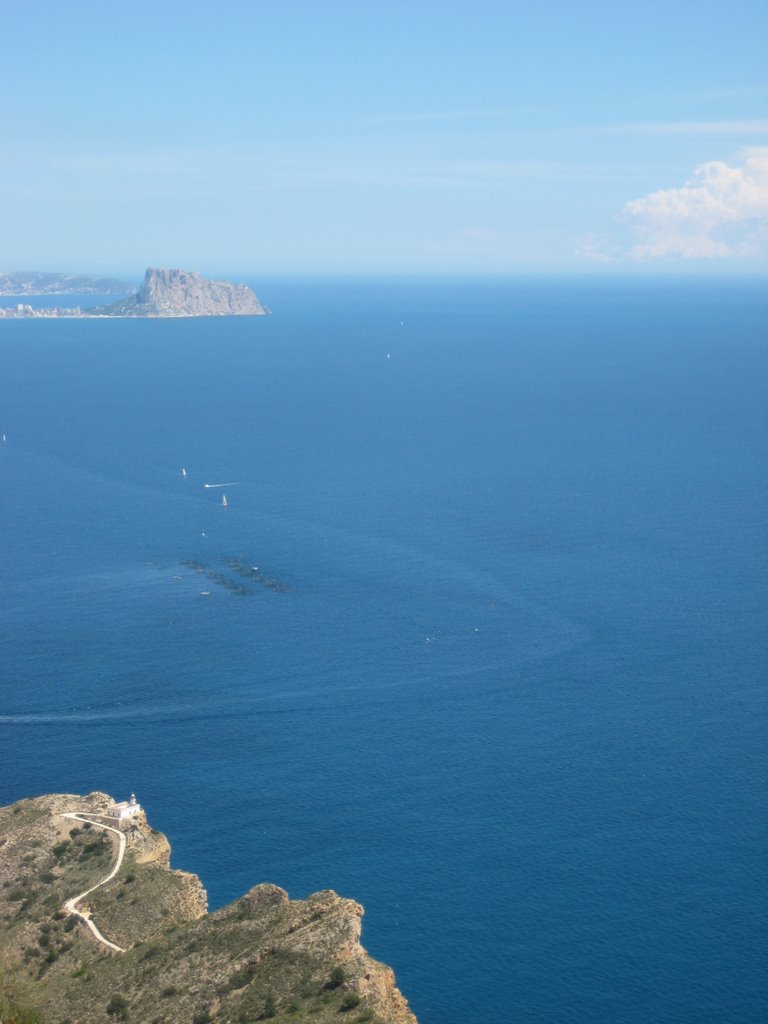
point(264, 956)
point(184, 293)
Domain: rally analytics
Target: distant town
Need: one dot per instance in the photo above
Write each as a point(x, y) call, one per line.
point(24, 310)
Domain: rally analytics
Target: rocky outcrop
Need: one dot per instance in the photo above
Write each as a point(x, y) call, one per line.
point(265, 956)
point(184, 293)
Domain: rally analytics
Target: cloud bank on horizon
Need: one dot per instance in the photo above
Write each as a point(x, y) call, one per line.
point(720, 212)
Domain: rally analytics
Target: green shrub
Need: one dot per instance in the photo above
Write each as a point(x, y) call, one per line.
point(118, 1007)
point(169, 990)
point(239, 979)
point(337, 978)
point(349, 1002)
point(269, 1008)
point(93, 848)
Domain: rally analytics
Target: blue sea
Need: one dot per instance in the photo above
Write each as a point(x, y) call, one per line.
point(500, 672)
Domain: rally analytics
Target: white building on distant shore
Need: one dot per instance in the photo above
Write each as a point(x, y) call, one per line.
point(125, 810)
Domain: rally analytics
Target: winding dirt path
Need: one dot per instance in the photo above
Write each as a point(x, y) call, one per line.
point(71, 905)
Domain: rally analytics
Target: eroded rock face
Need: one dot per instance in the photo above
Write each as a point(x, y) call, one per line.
point(260, 897)
point(174, 292)
point(185, 293)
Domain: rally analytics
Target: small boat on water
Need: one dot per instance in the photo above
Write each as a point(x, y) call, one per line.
point(224, 501)
point(183, 471)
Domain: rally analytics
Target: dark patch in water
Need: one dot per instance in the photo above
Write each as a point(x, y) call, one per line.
point(216, 577)
point(242, 568)
point(249, 571)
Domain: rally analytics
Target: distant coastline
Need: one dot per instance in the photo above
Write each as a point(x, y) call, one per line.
point(163, 293)
point(26, 312)
point(36, 282)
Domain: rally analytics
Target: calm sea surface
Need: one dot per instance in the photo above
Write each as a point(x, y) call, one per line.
point(513, 696)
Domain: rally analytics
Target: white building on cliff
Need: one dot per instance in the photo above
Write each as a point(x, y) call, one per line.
point(125, 810)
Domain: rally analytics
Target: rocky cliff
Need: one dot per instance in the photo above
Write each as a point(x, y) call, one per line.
point(184, 293)
point(264, 956)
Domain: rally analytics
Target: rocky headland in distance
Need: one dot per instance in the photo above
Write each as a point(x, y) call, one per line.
point(185, 293)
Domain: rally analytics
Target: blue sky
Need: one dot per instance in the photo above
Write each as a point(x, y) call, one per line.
point(418, 137)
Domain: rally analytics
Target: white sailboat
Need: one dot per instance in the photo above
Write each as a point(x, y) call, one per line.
point(223, 501)
point(183, 471)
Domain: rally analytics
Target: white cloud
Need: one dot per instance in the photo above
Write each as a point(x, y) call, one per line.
point(721, 211)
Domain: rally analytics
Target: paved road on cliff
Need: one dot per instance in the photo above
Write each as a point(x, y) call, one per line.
point(71, 905)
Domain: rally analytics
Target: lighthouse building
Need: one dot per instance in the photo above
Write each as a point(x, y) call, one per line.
point(125, 810)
